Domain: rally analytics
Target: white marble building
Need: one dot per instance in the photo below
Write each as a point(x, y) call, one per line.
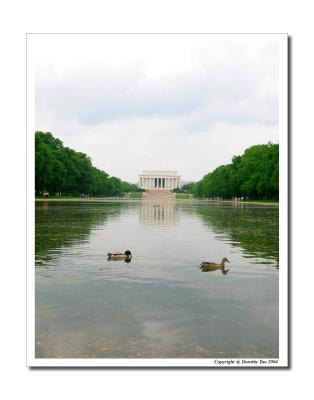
point(156, 180)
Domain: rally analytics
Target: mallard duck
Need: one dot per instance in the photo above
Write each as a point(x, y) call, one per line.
point(211, 266)
point(120, 256)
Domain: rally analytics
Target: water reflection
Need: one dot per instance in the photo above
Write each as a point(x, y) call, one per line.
point(61, 224)
point(206, 268)
point(254, 229)
point(159, 212)
point(161, 305)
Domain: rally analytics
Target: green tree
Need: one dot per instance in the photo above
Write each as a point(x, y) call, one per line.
point(59, 169)
point(255, 175)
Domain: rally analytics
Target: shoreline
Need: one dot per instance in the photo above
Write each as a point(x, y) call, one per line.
point(123, 199)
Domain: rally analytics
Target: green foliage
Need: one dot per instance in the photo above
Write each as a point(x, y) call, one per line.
point(177, 190)
point(183, 195)
point(61, 170)
point(184, 189)
point(254, 175)
point(188, 187)
point(136, 195)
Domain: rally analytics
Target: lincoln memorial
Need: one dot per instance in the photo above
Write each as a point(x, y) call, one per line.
point(155, 180)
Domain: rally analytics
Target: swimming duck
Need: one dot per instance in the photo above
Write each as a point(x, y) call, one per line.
point(211, 266)
point(120, 256)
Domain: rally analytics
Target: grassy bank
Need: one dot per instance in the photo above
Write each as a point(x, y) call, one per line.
point(131, 196)
point(180, 196)
point(260, 202)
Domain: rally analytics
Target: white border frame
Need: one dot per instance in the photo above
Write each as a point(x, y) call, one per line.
point(282, 361)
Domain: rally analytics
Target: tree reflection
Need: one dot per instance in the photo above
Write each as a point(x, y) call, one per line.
point(254, 229)
point(61, 224)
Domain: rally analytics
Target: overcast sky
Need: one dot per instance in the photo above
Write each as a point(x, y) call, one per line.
point(171, 102)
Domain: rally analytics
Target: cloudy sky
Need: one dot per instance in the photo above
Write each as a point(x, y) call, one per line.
point(171, 102)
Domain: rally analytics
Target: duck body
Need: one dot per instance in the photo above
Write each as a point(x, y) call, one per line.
point(120, 256)
point(211, 266)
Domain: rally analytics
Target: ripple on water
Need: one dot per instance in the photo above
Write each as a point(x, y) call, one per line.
point(160, 304)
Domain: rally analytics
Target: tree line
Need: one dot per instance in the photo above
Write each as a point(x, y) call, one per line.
point(253, 175)
point(61, 170)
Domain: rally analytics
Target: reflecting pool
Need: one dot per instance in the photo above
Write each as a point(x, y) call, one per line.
point(161, 304)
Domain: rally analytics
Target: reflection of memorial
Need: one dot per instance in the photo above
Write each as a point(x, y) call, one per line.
point(159, 212)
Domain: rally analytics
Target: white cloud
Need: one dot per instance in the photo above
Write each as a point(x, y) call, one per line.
point(133, 102)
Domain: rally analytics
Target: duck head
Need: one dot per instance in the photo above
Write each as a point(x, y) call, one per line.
point(128, 253)
point(225, 260)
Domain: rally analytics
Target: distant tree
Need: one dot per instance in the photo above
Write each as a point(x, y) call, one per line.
point(255, 175)
point(188, 187)
point(59, 169)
